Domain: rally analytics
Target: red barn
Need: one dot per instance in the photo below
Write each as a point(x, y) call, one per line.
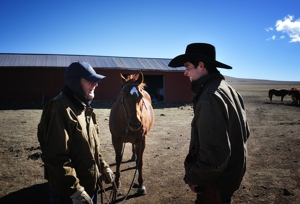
point(38, 78)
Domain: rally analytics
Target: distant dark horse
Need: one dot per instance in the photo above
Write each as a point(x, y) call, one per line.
point(282, 93)
point(295, 94)
point(131, 118)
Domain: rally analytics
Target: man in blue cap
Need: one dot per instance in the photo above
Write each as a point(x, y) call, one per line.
point(216, 162)
point(69, 138)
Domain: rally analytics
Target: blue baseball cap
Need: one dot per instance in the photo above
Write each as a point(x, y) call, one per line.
point(82, 70)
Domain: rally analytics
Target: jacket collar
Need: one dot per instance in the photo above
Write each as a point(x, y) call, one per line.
point(73, 98)
point(199, 84)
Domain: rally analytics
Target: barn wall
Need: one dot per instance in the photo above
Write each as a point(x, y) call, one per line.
point(109, 87)
point(19, 84)
point(177, 88)
point(28, 84)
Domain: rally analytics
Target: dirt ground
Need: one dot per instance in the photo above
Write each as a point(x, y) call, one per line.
point(273, 168)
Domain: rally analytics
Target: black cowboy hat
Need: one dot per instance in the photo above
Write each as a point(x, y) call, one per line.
point(198, 51)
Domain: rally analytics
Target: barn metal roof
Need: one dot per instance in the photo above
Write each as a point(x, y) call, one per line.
point(107, 62)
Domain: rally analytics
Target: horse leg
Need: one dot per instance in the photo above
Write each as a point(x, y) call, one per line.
point(118, 145)
point(139, 165)
point(297, 100)
point(133, 157)
point(270, 96)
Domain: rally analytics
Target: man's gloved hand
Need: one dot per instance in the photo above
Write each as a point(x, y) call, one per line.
point(81, 197)
point(107, 175)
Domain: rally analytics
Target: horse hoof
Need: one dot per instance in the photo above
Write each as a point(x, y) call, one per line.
point(120, 193)
point(142, 190)
point(133, 158)
point(119, 189)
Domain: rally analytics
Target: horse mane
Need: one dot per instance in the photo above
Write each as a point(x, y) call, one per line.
point(132, 78)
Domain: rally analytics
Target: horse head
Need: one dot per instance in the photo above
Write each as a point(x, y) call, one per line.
point(132, 99)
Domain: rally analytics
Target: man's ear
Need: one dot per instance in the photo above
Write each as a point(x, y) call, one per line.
point(201, 65)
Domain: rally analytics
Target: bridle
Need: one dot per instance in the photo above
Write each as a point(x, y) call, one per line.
point(136, 85)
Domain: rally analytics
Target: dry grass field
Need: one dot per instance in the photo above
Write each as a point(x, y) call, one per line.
point(273, 171)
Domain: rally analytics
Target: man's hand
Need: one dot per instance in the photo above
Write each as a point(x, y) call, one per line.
point(107, 176)
point(81, 197)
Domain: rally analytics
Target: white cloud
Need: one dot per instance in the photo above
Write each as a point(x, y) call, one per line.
point(282, 37)
point(268, 29)
point(272, 38)
point(292, 29)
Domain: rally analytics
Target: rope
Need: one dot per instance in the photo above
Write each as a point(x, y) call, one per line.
point(133, 175)
point(112, 197)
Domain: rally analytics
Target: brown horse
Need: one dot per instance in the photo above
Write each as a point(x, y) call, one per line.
point(282, 93)
point(131, 118)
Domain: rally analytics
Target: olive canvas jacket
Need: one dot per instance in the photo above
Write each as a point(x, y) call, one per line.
point(69, 140)
point(219, 132)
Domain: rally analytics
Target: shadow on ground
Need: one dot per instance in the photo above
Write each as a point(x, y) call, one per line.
point(36, 194)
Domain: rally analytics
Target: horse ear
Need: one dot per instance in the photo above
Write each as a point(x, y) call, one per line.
point(141, 78)
point(123, 80)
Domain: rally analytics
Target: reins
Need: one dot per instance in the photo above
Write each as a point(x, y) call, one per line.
point(126, 133)
point(112, 197)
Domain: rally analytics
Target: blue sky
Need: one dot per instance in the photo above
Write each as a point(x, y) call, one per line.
point(260, 39)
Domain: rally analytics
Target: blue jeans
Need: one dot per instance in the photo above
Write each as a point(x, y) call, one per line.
point(55, 198)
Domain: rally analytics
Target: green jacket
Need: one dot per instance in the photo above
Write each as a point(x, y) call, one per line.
point(217, 153)
point(69, 140)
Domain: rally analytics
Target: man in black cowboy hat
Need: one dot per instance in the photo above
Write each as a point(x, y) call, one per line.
point(216, 162)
